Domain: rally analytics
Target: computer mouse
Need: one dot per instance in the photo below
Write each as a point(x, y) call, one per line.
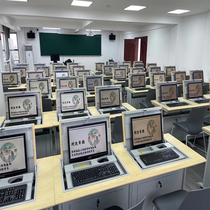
point(19, 179)
point(105, 159)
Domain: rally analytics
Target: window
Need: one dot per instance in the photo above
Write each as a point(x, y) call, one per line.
point(3, 46)
point(13, 47)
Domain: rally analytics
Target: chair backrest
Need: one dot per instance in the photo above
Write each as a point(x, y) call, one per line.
point(117, 131)
point(197, 199)
point(180, 89)
point(195, 119)
point(205, 88)
point(139, 205)
point(46, 105)
point(151, 95)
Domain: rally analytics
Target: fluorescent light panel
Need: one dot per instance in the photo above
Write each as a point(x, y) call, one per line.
point(93, 30)
point(135, 8)
point(18, 0)
point(179, 11)
point(51, 28)
point(81, 3)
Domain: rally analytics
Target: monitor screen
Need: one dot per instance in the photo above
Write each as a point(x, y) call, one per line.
point(68, 83)
point(87, 141)
point(138, 81)
point(155, 69)
point(39, 85)
point(168, 92)
point(124, 67)
point(158, 78)
point(13, 158)
point(35, 75)
point(137, 70)
point(195, 90)
point(180, 77)
point(107, 70)
point(198, 75)
point(78, 68)
point(60, 68)
point(169, 70)
point(62, 74)
point(146, 130)
point(10, 79)
point(92, 82)
point(80, 74)
point(120, 74)
point(109, 98)
point(99, 66)
point(22, 106)
point(45, 69)
point(73, 101)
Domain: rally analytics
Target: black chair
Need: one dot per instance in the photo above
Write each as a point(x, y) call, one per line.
point(46, 105)
point(138, 206)
point(179, 90)
point(168, 78)
point(183, 200)
point(193, 125)
point(151, 95)
point(117, 132)
point(205, 88)
point(5, 89)
point(23, 80)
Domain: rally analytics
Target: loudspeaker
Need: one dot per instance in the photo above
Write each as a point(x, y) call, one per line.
point(112, 36)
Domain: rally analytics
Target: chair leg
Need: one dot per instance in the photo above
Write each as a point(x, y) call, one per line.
point(204, 142)
point(194, 140)
point(172, 130)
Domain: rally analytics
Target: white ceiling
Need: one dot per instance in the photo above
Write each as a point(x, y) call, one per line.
point(60, 13)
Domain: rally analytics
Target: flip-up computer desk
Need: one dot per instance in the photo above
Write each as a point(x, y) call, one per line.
point(22, 87)
point(127, 190)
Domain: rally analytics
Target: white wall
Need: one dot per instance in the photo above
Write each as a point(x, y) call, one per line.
point(109, 49)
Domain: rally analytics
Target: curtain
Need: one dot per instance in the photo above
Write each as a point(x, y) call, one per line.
point(7, 36)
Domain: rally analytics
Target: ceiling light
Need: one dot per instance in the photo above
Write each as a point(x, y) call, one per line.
point(51, 28)
point(18, 0)
point(81, 3)
point(135, 8)
point(179, 11)
point(93, 30)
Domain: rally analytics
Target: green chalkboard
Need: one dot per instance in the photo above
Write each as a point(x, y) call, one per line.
point(66, 44)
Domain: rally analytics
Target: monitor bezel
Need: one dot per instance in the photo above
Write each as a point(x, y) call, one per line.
point(166, 68)
point(79, 77)
point(15, 173)
point(87, 157)
point(6, 73)
point(35, 72)
point(22, 116)
point(157, 73)
point(108, 106)
point(135, 68)
point(168, 84)
point(99, 63)
point(137, 75)
point(98, 77)
point(178, 72)
point(196, 71)
point(59, 71)
point(67, 92)
point(18, 68)
point(64, 78)
point(108, 66)
point(48, 92)
point(43, 68)
point(146, 144)
point(152, 67)
point(188, 95)
point(120, 79)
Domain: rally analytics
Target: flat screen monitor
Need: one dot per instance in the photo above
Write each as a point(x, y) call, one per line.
point(10, 79)
point(195, 90)
point(146, 131)
point(120, 74)
point(68, 83)
point(46, 69)
point(169, 69)
point(91, 82)
point(61, 74)
point(72, 101)
point(21, 70)
point(35, 74)
point(137, 70)
point(168, 92)
point(22, 106)
point(151, 64)
point(179, 77)
point(109, 98)
point(137, 81)
point(128, 63)
point(13, 158)
point(55, 57)
point(197, 75)
point(124, 67)
point(108, 70)
point(155, 69)
point(87, 141)
point(157, 77)
point(114, 64)
point(99, 66)
point(138, 65)
point(81, 73)
point(75, 68)
point(39, 85)
point(60, 68)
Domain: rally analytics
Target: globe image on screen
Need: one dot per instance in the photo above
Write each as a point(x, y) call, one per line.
point(12, 78)
point(110, 70)
point(121, 74)
point(70, 84)
point(182, 77)
point(85, 73)
point(112, 97)
point(197, 89)
point(199, 76)
point(37, 76)
point(139, 71)
point(21, 72)
point(171, 91)
point(140, 80)
point(8, 152)
point(41, 86)
point(63, 75)
point(96, 82)
point(151, 127)
point(27, 104)
point(161, 78)
point(76, 100)
point(94, 137)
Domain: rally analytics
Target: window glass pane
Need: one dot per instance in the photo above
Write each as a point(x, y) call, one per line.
point(13, 37)
point(15, 55)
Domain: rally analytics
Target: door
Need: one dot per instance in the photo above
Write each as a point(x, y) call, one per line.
point(130, 50)
point(143, 54)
